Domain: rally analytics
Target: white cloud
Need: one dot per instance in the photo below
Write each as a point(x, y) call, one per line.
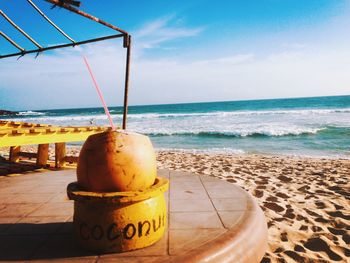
point(230, 60)
point(165, 29)
point(277, 75)
point(56, 81)
point(294, 45)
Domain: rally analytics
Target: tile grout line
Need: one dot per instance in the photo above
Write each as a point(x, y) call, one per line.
point(211, 201)
point(31, 255)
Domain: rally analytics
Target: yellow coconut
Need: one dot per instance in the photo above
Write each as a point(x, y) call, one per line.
point(116, 161)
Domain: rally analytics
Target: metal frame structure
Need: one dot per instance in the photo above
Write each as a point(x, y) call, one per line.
point(69, 5)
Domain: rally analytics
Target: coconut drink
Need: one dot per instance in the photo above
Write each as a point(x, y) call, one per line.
point(116, 161)
point(119, 202)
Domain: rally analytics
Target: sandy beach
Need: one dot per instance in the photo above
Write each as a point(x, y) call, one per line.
point(305, 200)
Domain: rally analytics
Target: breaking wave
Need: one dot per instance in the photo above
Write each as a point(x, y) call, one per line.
point(272, 132)
point(240, 113)
point(30, 113)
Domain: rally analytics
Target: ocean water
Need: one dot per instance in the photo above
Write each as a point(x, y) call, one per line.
point(318, 126)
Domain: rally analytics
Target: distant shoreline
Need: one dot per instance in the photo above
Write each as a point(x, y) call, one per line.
point(8, 113)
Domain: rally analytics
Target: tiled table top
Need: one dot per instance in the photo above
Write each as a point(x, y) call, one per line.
point(36, 217)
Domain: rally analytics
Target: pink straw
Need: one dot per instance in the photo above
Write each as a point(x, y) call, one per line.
point(100, 94)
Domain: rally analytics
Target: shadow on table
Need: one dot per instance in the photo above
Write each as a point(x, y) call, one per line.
point(38, 241)
point(22, 167)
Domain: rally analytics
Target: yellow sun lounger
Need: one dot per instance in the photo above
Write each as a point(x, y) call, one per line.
point(15, 134)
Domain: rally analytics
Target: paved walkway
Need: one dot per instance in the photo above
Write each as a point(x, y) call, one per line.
point(205, 215)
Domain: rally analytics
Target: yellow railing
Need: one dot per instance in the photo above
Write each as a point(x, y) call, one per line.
point(15, 134)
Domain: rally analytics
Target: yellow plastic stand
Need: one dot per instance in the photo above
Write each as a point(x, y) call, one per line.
point(119, 221)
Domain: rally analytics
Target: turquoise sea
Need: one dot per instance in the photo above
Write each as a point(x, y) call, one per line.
point(318, 126)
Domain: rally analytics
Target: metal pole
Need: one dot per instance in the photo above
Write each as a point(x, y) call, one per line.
point(127, 75)
point(79, 12)
point(59, 46)
point(126, 44)
point(48, 20)
point(19, 29)
point(12, 42)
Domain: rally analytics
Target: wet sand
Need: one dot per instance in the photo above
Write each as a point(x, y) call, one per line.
point(306, 201)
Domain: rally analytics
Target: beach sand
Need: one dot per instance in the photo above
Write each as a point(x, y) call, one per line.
point(306, 201)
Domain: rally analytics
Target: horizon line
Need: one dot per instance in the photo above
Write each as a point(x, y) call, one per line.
point(184, 103)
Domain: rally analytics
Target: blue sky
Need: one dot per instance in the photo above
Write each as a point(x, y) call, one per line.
point(183, 51)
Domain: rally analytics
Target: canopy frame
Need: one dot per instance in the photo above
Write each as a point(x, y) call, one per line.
point(68, 5)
